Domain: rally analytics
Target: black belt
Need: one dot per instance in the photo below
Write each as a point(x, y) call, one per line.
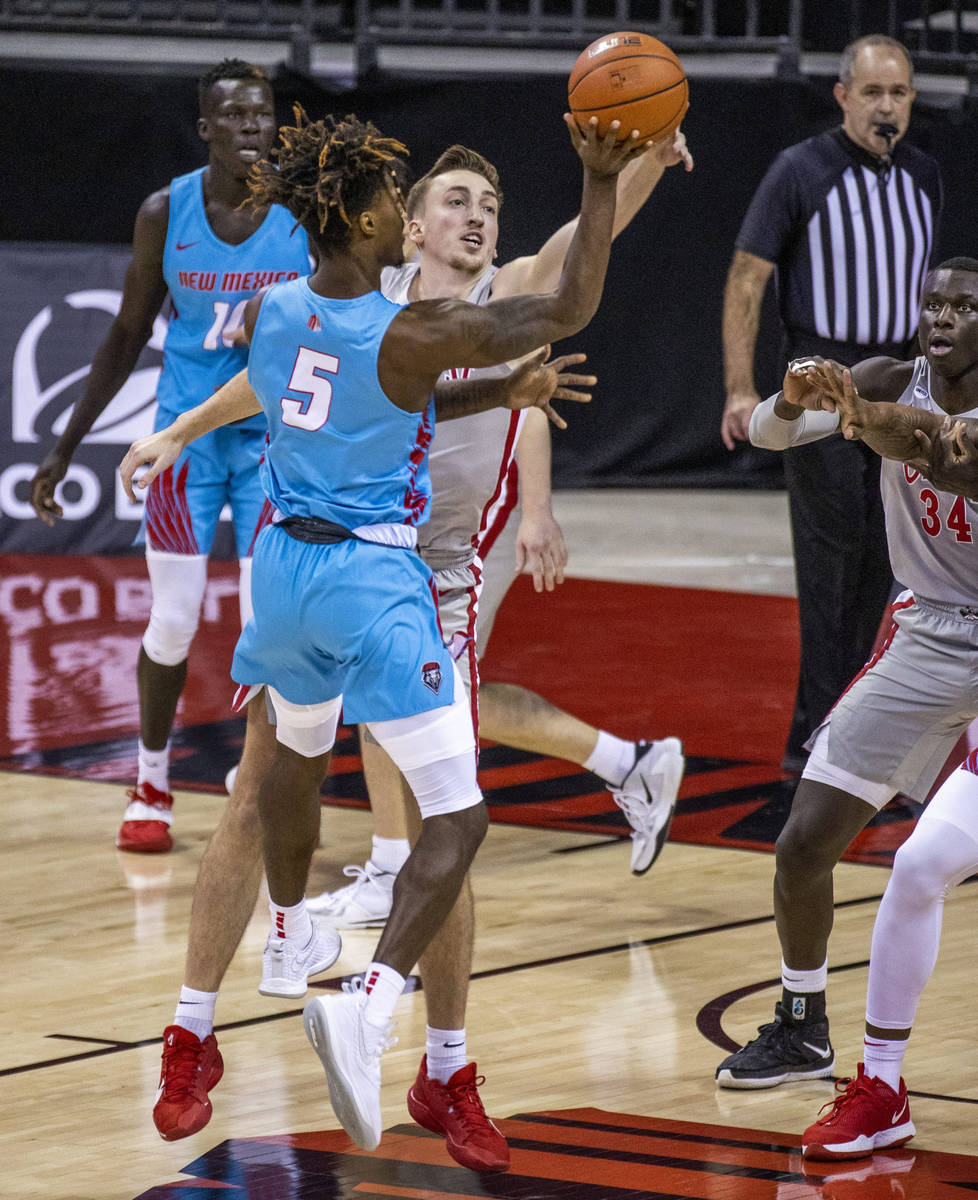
point(315, 529)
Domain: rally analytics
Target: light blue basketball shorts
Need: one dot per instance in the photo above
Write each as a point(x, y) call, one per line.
point(354, 619)
point(184, 502)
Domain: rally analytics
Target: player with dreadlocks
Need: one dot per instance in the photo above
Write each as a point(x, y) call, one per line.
point(343, 614)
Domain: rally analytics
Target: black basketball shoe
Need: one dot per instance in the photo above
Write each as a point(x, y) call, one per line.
point(784, 1050)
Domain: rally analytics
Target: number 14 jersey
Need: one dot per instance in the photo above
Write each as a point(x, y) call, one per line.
point(210, 282)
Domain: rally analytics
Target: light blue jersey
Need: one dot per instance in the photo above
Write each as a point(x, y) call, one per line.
point(358, 618)
point(338, 449)
point(210, 281)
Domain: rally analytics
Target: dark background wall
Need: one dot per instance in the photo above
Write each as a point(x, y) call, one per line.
point(91, 147)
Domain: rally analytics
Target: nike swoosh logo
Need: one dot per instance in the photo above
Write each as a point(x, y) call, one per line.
point(185, 245)
point(817, 1050)
point(900, 1115)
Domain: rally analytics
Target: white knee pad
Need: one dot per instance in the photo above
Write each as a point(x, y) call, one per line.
point(244, 591)
point(435, 752)
point(446, 786)
point(819, 769)
point(178, 582)
point(308, 729)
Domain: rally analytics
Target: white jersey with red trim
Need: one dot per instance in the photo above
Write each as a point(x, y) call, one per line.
point(933, 535)
point(470, 458)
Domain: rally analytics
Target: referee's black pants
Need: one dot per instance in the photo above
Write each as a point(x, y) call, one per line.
point(842, 570)
point(842, 565)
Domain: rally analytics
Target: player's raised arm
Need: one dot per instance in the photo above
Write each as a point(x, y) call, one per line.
point(540, 272)
point(649, 98)
point(428, 337)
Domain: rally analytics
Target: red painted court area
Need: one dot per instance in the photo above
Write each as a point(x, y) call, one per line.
point(570, 1154)
point(716, 668)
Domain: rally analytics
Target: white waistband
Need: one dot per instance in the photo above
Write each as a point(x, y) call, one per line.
point(403, 536)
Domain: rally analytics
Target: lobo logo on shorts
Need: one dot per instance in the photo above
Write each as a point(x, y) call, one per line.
point(431, 677)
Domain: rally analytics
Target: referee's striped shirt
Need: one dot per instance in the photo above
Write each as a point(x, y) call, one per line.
point(852, 241)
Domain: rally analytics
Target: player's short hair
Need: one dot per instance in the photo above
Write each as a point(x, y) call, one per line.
point(326, 173)
point(960, 263)
point(455, 158)
point(851, 53)
point(228, 68)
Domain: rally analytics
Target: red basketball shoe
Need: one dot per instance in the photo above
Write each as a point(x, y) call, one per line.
point(146, 822)
point(454, 1109)
point(867, 1116)
point(190, 1069)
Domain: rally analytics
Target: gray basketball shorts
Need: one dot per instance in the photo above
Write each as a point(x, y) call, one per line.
point(898, 721)
point(459, 590)
point(498, 573)
point(469, 596)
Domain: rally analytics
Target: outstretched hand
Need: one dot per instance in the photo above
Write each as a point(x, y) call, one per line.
point(673, 150)
point(605, 156)
point(535, 382)
point(889, 429)
point(949, 458)
point(813, 383)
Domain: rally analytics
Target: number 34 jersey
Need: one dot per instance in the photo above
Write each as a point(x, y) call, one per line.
point(932, 535)
point(338, 448)
point(210, 282)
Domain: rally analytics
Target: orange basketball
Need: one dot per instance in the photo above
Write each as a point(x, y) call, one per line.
point(631, 78)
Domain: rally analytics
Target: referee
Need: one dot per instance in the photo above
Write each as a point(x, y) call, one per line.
point(849, 218)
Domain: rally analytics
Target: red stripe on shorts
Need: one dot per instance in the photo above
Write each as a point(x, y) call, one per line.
point(887, 642)
point(169, 526)
point(504, 495)
point(264, 518)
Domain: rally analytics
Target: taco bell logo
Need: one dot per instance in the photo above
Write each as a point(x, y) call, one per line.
point(128, 415)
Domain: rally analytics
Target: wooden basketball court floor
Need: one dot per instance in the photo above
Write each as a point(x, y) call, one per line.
point(600, 1003)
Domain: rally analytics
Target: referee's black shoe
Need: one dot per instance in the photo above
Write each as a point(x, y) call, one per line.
point(784, 1050)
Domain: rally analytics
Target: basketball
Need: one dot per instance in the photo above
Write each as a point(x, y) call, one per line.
point(632, 78)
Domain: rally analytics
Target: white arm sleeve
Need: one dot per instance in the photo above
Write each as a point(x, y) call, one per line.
point(771, 432)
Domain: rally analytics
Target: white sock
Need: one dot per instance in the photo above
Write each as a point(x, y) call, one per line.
point(292, 922)
point(154, 767)
point(389, 854)
point(195, 1011)
point(445, 1050)
point(611, 758)
point(805, 981)
point(383, 986)
point(883, 1059)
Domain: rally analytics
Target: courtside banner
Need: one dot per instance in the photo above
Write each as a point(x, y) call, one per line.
point(57, 302)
